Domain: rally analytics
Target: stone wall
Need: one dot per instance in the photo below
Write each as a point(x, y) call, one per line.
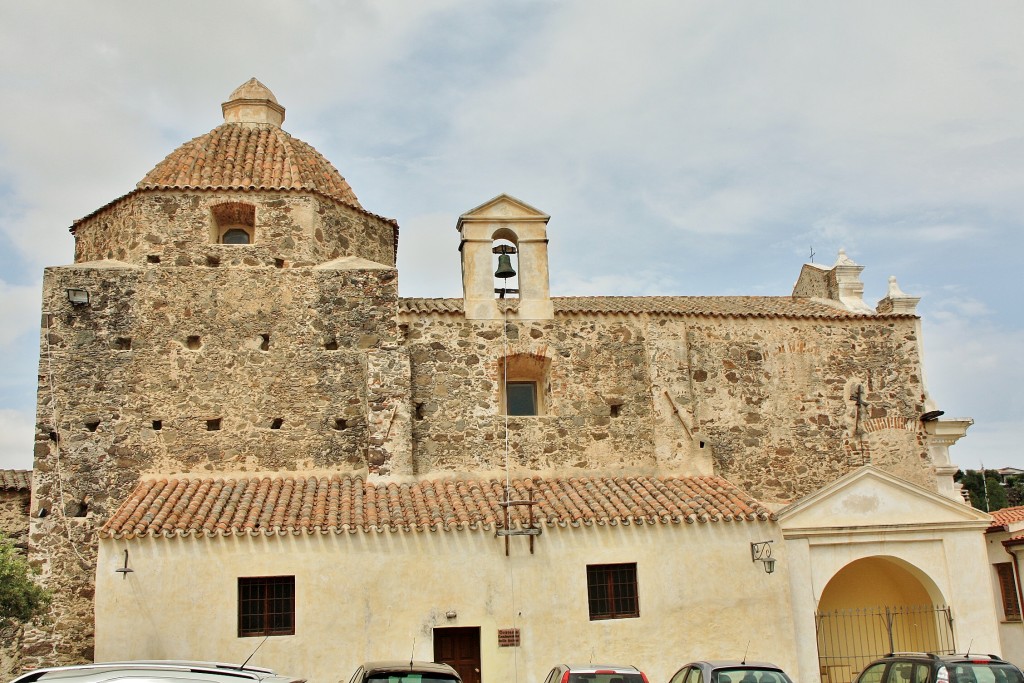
point(178, 228)
point(14, 510)
point(190, 369)
point(769, 403)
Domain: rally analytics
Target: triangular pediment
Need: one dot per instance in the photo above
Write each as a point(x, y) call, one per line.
point(352, 263)
point(871, 499)
point(504, 207)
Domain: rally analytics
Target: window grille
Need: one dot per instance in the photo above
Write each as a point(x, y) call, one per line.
point(612, 591)
point(266, 606)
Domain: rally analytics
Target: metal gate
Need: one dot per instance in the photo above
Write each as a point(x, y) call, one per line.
point(849, 639)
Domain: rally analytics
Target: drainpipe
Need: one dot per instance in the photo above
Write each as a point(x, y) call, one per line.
point(1016, 581)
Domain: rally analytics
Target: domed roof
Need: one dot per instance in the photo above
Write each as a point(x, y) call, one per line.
point(249, 151)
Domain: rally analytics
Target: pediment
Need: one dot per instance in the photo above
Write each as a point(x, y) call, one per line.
point(504, 207)
point(352, 263)
point(871, 498)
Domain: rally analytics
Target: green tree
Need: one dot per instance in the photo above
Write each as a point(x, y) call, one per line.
point(21, 598)
point(978, 487)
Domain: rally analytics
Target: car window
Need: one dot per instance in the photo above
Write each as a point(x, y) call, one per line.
point(983, 672)
point(900, 672)
point(411, 677)
point(680, 675)
point(606, 678)
point(749, 675)
point(872, 674)
point(695, 675)
point(357, 676)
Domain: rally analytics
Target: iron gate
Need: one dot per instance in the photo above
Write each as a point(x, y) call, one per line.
point(849, 639)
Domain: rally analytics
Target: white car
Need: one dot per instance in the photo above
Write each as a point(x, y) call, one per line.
point(170, 671)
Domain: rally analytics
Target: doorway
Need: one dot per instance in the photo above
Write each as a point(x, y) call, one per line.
point(460, 649)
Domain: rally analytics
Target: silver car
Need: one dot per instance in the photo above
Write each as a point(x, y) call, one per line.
point(730, 671)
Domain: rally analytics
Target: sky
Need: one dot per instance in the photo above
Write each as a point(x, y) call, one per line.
point(681, 148)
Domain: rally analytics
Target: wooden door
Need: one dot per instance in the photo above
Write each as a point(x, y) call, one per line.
point(460, 649)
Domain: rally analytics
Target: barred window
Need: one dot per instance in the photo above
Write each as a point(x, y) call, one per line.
point(1008, 588)
point(266, 606)
point(612, 591)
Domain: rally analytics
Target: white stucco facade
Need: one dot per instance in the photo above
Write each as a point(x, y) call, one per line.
point(871, 514)
point(365, 596)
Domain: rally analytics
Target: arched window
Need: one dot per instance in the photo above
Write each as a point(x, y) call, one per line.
point(234, 223)
point(524, 384)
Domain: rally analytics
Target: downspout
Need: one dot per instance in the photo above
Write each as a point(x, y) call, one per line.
point(1016, 581)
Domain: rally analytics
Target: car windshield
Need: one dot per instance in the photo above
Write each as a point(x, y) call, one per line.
point(634, 677)
point(411, 677)
point(750, 675)
point(983, 672)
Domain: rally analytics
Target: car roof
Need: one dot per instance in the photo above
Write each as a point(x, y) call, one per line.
point(738, 664)
point(617, 668)
point(161, 670)
point(407, 665)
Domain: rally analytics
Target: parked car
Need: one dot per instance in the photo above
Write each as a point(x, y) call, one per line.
point(595, 673)
point(405, 672)
point(151, 670)
point(922, 667)
point(730, 671)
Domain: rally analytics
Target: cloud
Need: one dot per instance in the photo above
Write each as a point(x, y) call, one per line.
point(16, 435)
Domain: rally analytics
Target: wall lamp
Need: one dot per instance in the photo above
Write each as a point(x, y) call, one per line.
point(78, 297)
point(762, 552)
point(125, 570)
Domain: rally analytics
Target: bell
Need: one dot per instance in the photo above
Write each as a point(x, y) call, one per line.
point(504, 270)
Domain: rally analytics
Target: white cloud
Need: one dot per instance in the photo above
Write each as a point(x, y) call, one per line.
point(16, 434)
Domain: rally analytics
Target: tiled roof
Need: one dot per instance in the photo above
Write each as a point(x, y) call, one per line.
point(1007, 516)
point(15, 480)
point(716, 306)
point(341, 503)
point(248, 157)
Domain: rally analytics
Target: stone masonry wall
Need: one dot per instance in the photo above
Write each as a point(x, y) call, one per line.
point(195, 369)
point(769, 403)
point(292, 230)
point(14, 508)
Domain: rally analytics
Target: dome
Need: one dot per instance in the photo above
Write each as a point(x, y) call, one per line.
point(249, 151)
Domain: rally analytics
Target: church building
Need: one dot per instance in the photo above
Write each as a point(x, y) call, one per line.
point(246, 438)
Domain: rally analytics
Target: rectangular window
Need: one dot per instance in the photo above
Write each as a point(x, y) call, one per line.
point(1008, 587)
point(521, 398)
point(612, 592)
point(266, 606)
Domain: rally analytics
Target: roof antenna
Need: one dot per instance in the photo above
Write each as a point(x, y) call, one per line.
point(411, 653)
point(745, 651)
point(242, 665)
point(968, 653)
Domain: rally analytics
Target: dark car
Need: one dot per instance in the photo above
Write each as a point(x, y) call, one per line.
point(921, 667)
point(398, 671)
point(730, 671)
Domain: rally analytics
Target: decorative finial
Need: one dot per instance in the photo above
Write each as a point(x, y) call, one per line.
point(894, 289)
point(252, 102)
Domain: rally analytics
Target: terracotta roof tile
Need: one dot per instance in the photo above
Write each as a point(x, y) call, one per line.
point(715, 306)
point(336, 503)
point(248, 157)
point(1008, 516)
point(15, 480)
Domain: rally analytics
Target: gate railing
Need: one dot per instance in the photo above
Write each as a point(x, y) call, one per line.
point(849, 639)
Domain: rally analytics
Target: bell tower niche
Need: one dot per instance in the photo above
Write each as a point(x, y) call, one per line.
point(505, 224)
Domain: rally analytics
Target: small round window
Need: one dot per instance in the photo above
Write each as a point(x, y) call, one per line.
point(235, 236)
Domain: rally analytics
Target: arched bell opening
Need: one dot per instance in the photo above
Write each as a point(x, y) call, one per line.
point(876, 605)
point(505, 262)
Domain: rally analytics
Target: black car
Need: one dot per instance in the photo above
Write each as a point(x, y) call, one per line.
point(920, 667)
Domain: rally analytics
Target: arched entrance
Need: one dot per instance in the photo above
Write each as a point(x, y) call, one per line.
point(876, 605)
